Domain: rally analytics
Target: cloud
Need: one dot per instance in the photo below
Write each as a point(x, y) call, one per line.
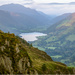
point(53, 9)
point(48, 8)
point(28, 0)
point(53, 1)
point(2, 2)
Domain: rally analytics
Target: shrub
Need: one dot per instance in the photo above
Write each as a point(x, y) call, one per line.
point(44, 68)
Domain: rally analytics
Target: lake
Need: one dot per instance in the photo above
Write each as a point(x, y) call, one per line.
point(31, 36)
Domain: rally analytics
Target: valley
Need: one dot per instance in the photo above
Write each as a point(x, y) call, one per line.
point(60, 30)
point(60, 41)
point(34, 42)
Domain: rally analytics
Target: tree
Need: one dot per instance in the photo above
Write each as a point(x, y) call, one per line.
point(44, 67)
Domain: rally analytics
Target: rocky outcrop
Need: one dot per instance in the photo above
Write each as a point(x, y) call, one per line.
point(17, 48)
point(14, 58)
point(7, 43)
point(7, 63)
point(2, 48)
point(24, 66)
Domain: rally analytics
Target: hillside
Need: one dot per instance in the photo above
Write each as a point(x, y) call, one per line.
point(17, 18)
point(60, 18)
point(17, 8)
point(19, 57)
point(60, 41)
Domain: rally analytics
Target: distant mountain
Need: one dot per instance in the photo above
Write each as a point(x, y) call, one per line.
point(17, 8)
point(67, 21)
point(21, 9)
point(22, 19)
point(7, 23)
point(19, 57)
point(60, 41)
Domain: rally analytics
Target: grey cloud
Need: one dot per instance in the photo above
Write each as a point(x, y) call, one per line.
point(71, 3)
point(27, 3)
point(28, 0)
point(54, 9)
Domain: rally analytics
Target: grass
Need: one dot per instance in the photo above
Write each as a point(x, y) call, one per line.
point(63, 43)
point(64, 23)
point(57, 56)
point(40, 48)
point(52, 67)
point(53, 38)
point(63, 61)
point(51, 47)
point(39, 58)
point(71, 37)
point(71, 65)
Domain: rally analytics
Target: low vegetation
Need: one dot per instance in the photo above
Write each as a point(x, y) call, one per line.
point(19, 57)
point(60, 41)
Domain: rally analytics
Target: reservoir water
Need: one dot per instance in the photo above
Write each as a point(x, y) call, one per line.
point(31, 36)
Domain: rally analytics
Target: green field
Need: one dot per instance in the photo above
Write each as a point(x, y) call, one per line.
point(71, 37)
point(50, 47)
point(57, 56)
point(40, 48)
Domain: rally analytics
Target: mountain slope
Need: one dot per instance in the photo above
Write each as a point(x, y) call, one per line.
point(60, 41)
point(17, 8)
point(19, 57)
point(22, 19)
point(59, 18)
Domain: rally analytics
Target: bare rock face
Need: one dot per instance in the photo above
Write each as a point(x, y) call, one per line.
point(26, 67)
point(36, 72)
point(24, 64)
point(28, 64)
point(74, 71)
point(14, 58)
point(17, 49)
point(2, 48)
point(7, 63)
point(7, 43)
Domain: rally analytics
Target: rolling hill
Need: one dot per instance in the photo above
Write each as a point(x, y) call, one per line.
point(19, 57)
point(60, 41)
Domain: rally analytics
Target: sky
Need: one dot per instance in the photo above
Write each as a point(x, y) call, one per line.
point(44, 6)
point(51, 1)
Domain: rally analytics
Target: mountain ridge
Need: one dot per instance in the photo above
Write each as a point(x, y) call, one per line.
point(22, 19)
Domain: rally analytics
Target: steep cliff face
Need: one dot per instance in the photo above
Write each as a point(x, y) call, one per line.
point(13, 56)
point(19, 57)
